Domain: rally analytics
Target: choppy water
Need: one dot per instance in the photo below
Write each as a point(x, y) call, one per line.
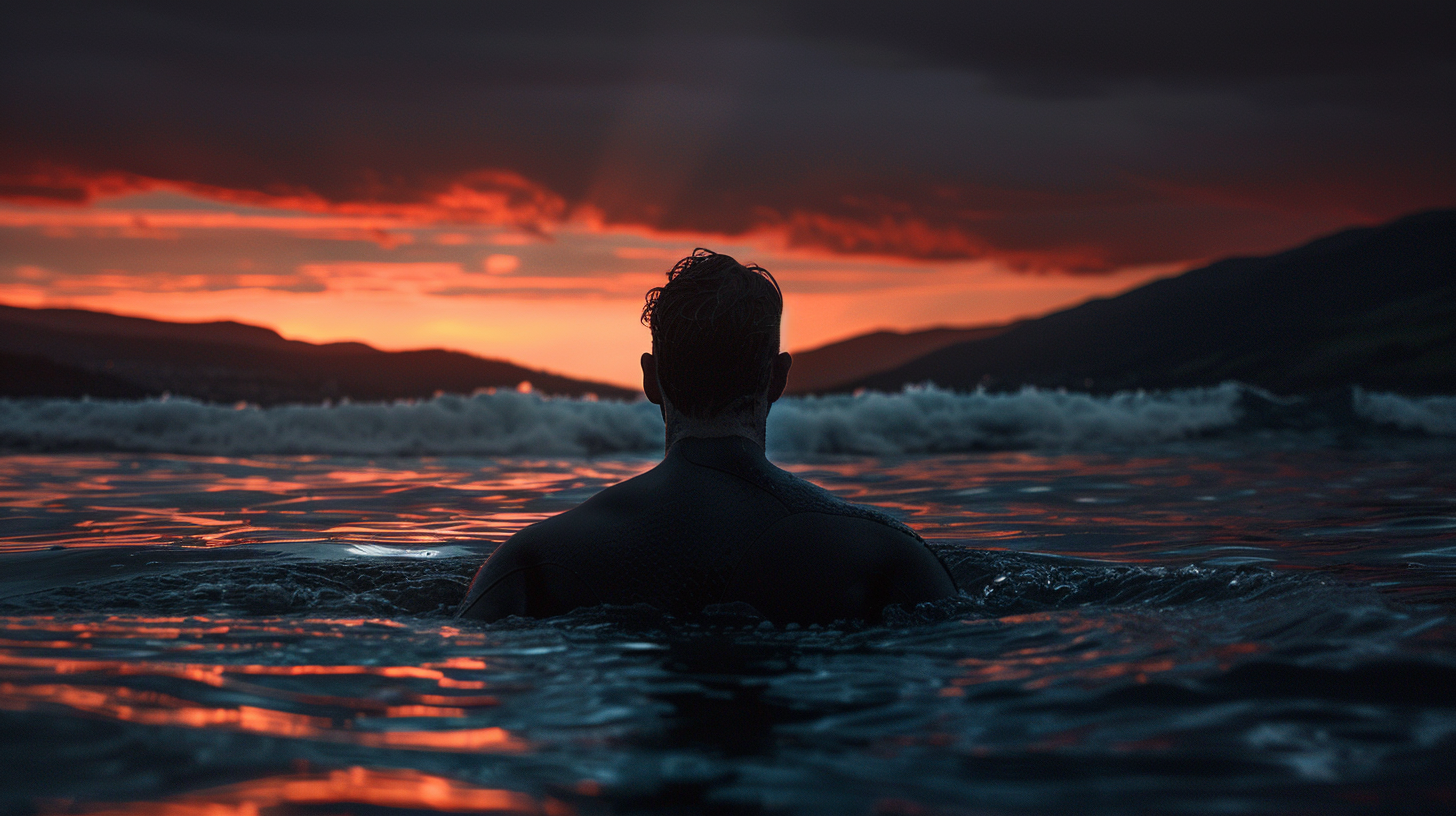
point(1251, 623)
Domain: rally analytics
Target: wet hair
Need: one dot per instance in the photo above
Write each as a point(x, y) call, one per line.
point(715, 332)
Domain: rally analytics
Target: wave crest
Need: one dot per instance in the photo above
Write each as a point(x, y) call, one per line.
point(507, 423)
point(932, 420)
point(500, 424)
point(1432, 415)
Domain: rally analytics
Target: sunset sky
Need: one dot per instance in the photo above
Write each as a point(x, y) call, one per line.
point(508, 179)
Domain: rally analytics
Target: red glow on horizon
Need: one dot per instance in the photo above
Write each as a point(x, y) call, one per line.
point(492, 265)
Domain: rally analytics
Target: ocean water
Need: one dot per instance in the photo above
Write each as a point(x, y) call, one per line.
point(1209, 601)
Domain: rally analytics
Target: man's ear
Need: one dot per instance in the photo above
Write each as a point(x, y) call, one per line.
point(779, 377)
point(650, 386)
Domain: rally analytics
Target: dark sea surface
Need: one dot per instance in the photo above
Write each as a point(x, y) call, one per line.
point(1218, 616)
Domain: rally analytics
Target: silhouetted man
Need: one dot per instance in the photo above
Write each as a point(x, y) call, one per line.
point(715, 522)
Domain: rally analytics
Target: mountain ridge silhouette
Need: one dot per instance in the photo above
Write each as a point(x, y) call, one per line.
point(77, 352)
point(1371, 306)
point(824, 367)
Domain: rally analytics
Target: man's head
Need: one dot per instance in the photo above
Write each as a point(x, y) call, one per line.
point(715, 337)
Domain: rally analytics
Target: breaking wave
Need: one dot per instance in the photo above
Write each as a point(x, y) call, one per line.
point(931, 420)
point(917, 420)
point(499, 424)
point(1432, 415)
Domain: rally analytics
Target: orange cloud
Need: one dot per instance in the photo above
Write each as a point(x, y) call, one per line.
point(496, 198)
point(450, 279)
point(1039, 233)
point(501, 264)
point(168, 224)
point(481, 197)
point(899, 236)
point(108, 281)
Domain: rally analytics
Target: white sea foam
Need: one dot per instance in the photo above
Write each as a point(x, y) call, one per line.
point(921, 420)
point(931, 420)
point(503, 423)
point(1433, 415)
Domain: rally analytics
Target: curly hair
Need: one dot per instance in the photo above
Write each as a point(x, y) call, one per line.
point(715, 331)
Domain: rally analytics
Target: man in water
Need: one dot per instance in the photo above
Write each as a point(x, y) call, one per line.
point(715, 523)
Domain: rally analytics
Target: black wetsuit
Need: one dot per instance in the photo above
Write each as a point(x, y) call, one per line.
point(715, 523)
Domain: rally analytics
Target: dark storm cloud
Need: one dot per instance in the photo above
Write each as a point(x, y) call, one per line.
point(1067, 134)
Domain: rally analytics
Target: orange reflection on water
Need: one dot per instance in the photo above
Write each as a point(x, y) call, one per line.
point(192, 501)
point(466, 740)
point(402, 789)
point(253, 484)
point(423, 711)
point(213, 674)
point(153, 708)
point(127, 625)
point(32, 678)
point(172, 514)
point(456, 662)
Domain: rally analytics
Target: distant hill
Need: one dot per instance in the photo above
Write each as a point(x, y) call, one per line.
point(1371, 306)
point(71, 352)
point(26, 375)
point(828, 366)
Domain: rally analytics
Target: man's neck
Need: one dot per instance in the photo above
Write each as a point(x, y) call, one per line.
point(749, 423)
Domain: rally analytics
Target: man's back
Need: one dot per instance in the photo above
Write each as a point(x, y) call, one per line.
point(714, 523)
